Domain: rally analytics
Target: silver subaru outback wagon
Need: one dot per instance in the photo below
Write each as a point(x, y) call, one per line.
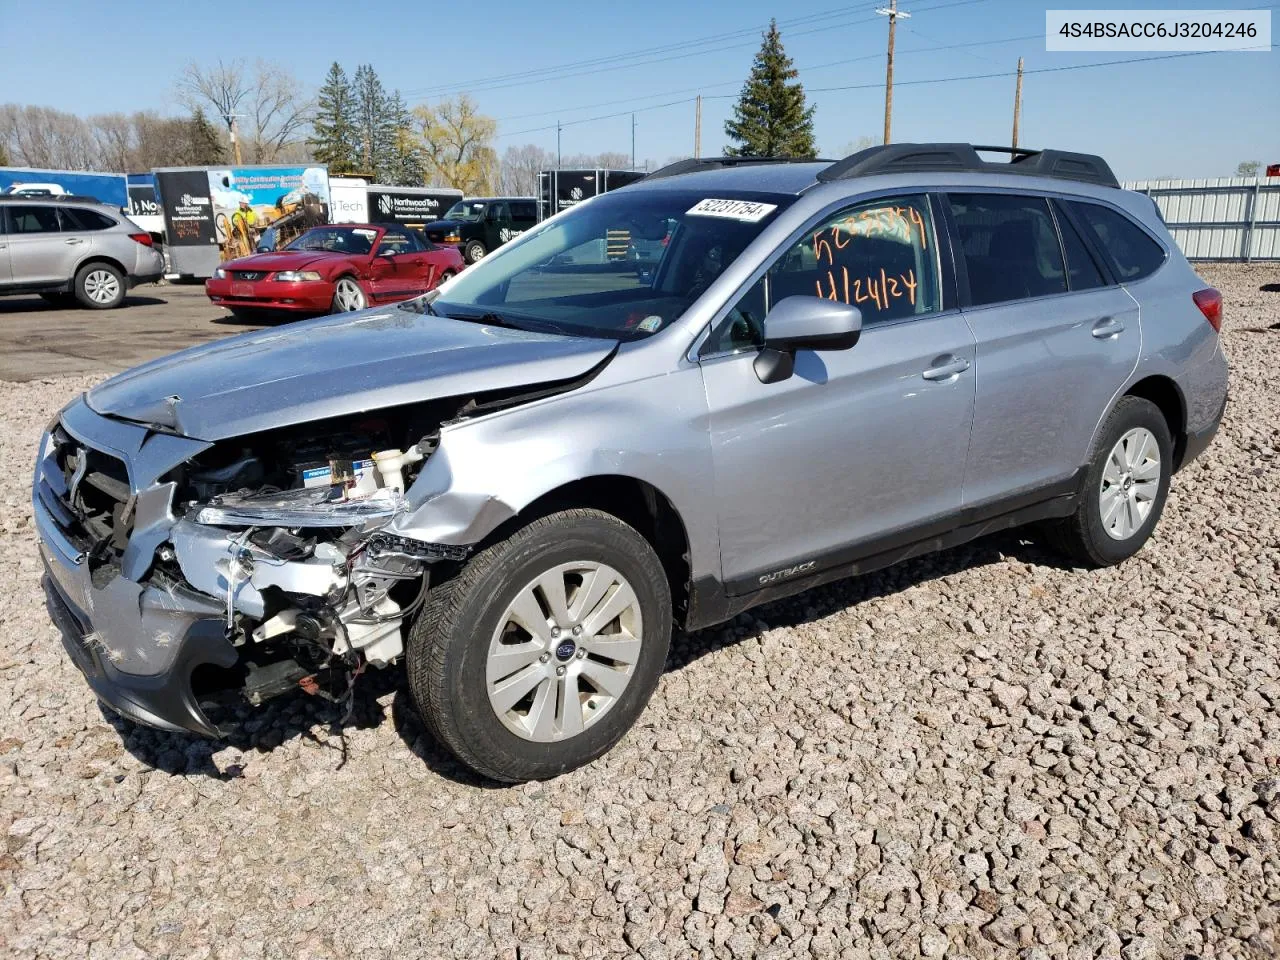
point(518, 484)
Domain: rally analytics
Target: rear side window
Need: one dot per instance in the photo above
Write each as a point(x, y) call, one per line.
point(1133, 254)
point(523, 210)
point(32, 219)
point(80, 219)
point(1009, 245)
point(1081, 267)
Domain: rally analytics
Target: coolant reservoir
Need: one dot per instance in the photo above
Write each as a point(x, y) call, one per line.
point(391, 464)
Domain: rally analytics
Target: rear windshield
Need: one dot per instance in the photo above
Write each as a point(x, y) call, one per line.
point(623, 266)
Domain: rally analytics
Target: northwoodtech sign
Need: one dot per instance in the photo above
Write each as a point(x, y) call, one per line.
point(404, 207)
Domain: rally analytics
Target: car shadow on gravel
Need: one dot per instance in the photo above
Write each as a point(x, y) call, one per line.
point(298, 716)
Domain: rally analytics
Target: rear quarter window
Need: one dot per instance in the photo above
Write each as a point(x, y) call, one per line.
point(1132, 252)
point(74, 218)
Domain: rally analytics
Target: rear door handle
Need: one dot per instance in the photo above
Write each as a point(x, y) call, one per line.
point(947, 369)
point(73, 240)
point(1107, 328)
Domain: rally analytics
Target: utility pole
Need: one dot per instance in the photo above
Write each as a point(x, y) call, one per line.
point(697, 128)
point(893, 13)
point(633, 141)
point(233, 132)
point(557, 144)
point(1017, 105)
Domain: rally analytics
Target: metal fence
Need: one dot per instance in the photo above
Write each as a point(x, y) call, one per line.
point(1230, 218)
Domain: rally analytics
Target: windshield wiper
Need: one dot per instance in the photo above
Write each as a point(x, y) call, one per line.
point(498, 320)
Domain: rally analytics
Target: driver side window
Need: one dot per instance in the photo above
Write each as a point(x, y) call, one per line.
point(878, 255)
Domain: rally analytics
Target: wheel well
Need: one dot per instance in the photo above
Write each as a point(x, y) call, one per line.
point(109, 261)
point(638, 504)
point(1164, 393)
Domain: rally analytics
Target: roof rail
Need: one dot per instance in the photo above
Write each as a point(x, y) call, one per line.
point(50, 198)
point(963, 158)
point(696, 164)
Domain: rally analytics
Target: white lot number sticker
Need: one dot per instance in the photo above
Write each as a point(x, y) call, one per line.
point(747, 211)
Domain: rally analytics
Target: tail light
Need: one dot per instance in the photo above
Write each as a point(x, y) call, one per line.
point(142, 238)
point(1209, 301)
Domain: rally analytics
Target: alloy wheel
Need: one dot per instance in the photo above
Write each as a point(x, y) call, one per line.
point(564, 651)
point(102, 286)
point(348, 295)
point(1130, 483)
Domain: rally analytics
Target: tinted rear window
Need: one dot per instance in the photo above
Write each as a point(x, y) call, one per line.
point(1132, 252)
point(74, 218)
point(1010, 247)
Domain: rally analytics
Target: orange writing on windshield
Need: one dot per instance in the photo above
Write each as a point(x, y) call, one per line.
point(882, 289)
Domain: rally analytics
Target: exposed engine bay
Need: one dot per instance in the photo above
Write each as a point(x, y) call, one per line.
point(284, 528)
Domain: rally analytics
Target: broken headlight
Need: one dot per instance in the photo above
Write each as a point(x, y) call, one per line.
point(306, 507)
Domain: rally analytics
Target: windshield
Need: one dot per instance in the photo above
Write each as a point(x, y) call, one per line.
point(465, 210)
point(348, 240)
point(623, 266)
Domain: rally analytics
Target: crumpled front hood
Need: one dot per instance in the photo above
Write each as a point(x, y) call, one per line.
point(336, 365)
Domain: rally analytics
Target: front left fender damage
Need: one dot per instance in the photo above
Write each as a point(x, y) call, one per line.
point(293, 558)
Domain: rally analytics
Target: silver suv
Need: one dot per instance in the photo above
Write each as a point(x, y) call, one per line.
point(73, 250)
point(517, 484)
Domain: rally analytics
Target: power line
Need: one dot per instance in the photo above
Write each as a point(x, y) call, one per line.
point(613, 60)
point(879, 84)
point(611, 64)
point(1010, 73)
point(807, 69)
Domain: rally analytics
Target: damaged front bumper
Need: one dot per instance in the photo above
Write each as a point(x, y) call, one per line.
point(140, 622)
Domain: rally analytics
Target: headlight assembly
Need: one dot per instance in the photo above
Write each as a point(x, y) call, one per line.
point(219, 274)
point(297, 276)
point(306, 507)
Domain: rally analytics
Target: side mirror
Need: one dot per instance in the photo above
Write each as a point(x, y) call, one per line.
point(804, 323)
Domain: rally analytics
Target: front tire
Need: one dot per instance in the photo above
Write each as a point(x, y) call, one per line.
point(348, 296)
point(1124, 488)
point(100, 286)
point(542, 651)
point(474, 251)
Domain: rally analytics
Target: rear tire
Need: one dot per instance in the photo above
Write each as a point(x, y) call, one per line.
point(1124, 488)
point(468, 647)
point(100, 286)
point(474, 251)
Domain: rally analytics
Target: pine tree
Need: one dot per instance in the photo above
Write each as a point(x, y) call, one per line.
point(404, 163)
point(204, 146)
point(375, 130)
point(333, 140)
point(770, 118)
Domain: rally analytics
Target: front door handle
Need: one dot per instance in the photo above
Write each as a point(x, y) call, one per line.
point(946, 369)
point(1107, 328)
point(73, 240)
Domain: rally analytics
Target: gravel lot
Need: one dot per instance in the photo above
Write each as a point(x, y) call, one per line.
point(978, 754)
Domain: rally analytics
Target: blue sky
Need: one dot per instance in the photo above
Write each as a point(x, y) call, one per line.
point(1191, 117)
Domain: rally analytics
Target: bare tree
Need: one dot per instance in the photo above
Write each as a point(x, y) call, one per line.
point(518, 172)
point(45, 137)
point(264, 104)
point(115, 140)
point(279, 111)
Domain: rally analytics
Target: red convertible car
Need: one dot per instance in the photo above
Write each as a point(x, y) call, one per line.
point(334, 268)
